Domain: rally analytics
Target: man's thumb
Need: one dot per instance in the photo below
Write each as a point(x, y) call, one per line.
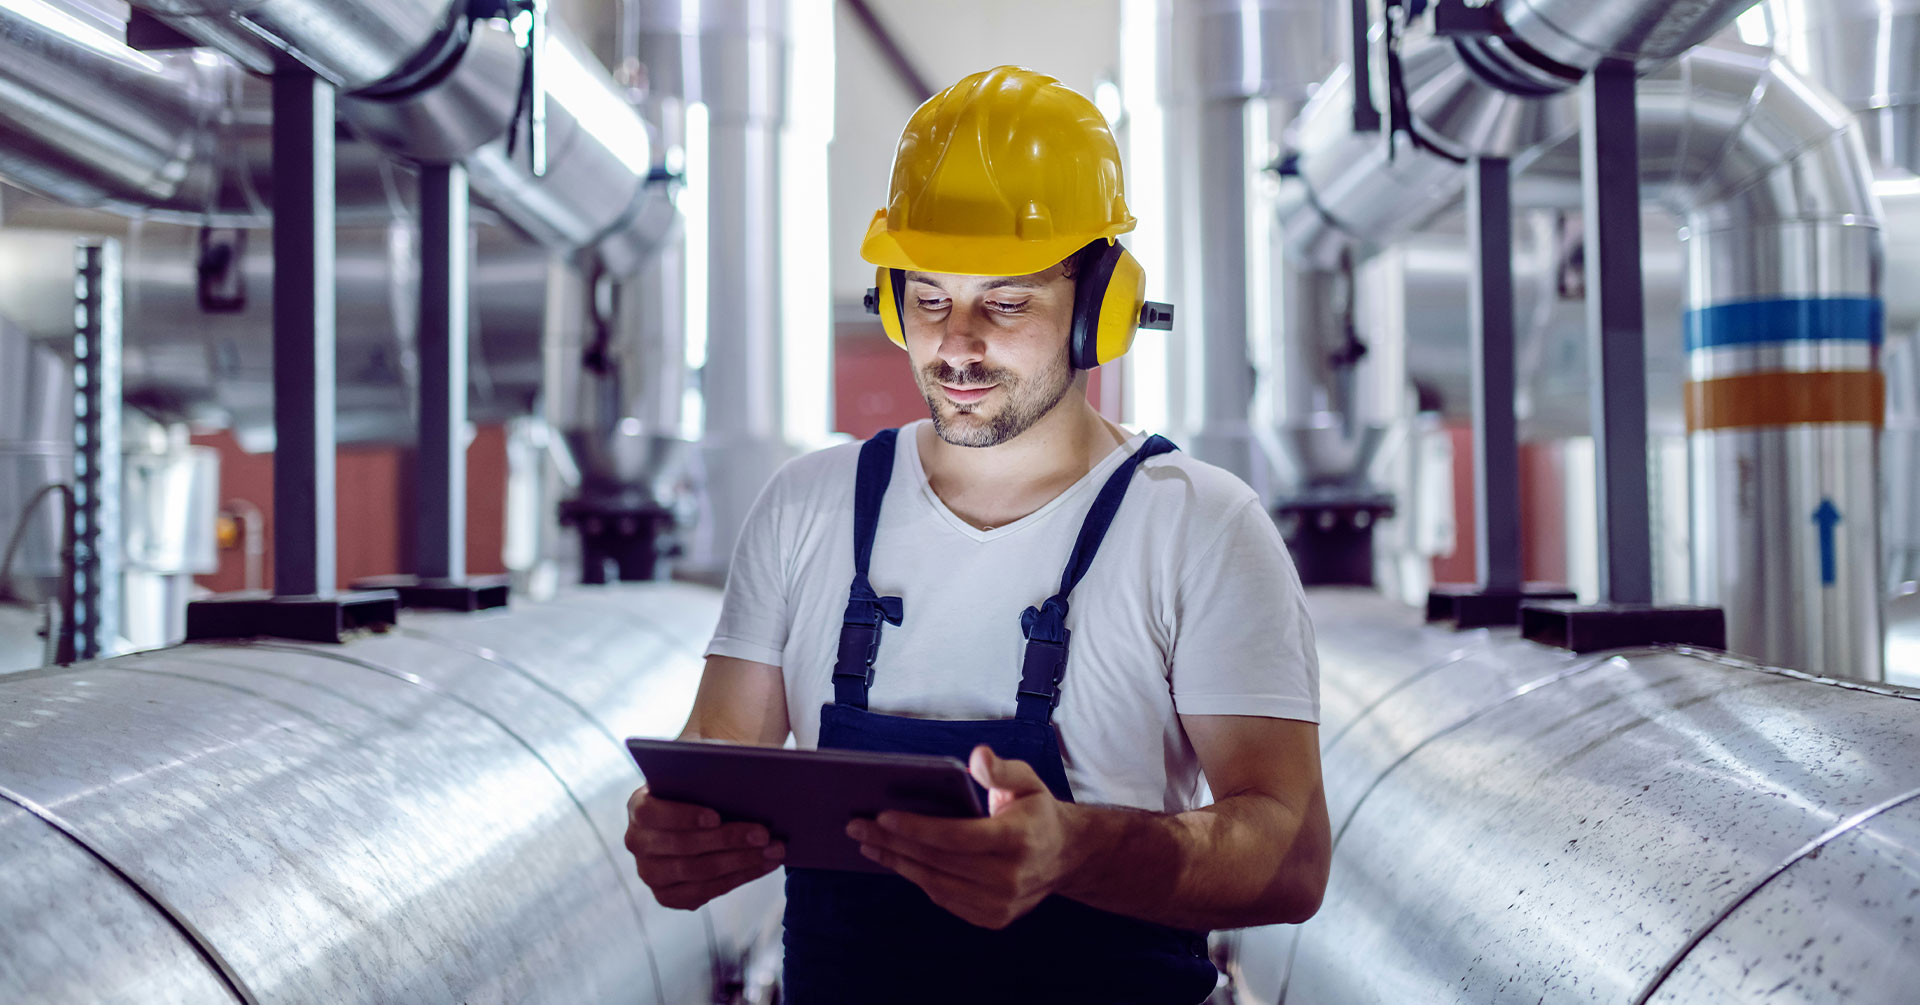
point(996, 773)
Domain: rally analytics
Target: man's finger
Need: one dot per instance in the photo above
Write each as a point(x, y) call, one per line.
point(965, 836)
point(654, 812)
point(728, 837)
point(967, 865)
point(687, 896)
point(676, 870)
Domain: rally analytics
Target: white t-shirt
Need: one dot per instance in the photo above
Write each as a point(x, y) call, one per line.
point(1192, 607)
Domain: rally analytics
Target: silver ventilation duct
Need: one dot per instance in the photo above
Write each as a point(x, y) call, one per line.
point(431, 814)
point(1783, 303)
point(427, 81)
point(1784, 267)
point(721, 67)
point(1862, 51)
point(1517, 824)
point(1230, 71)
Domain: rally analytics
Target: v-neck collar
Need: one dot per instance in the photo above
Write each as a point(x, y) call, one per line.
point(1098, 475)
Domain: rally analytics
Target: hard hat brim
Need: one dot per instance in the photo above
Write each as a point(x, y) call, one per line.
point(971, 255)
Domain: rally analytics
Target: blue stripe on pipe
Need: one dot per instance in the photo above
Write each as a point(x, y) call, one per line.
point(1754, 322)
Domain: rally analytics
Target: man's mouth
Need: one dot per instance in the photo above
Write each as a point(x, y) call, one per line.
point(966, 395)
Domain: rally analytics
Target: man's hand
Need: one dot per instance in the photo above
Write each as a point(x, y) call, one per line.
point(688, 857)
point(988, 872)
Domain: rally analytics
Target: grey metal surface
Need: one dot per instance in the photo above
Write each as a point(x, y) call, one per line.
point(153, 960)
point(1518, 824)
point(1868, 859)
point(433, 814)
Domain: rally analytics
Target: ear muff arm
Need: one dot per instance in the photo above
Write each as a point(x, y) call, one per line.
point(1155, 315)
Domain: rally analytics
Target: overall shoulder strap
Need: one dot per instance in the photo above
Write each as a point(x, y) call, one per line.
point(1045, 626)
point(866, 610)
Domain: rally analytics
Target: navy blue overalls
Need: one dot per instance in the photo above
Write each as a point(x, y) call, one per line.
point(854, 938)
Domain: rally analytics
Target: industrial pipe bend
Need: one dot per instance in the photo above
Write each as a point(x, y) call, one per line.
point(432, 814)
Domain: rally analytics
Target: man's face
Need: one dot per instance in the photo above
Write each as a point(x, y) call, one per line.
point(989, 352)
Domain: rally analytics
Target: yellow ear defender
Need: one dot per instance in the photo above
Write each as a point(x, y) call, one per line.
point(1109, 304)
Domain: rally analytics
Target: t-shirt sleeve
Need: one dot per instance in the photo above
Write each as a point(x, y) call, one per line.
point(1242, 642)
point(754, 610)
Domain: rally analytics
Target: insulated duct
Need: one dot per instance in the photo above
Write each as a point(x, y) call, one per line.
point(1519, 825)
point(1863, 52)
point(717, 71)
point(430, 814)
point(1784, 395)
point(1232, 74)
point(429, 82)
point(1783, 303)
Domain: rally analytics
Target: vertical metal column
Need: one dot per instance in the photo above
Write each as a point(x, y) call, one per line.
point(94, 526)
point(303, 335)
point(1496, 439)
point(441, 538)
point(1610, 183)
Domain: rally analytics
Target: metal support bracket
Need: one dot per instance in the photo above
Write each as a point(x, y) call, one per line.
point(93, 528)
point(306, 604)
point(440, 530)
point(1616, 333)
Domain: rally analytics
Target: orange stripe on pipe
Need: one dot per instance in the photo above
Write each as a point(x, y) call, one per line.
point(1786, 399)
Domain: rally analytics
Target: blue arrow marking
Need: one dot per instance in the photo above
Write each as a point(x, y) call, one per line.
point(1826, 517)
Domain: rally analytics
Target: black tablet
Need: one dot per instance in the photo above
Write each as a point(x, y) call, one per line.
point(805, 797)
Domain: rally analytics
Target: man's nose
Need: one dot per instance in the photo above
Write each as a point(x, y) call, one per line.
point(960, 341)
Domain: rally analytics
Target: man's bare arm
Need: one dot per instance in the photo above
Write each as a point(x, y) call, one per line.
point(1258, 855)
point(739, 701)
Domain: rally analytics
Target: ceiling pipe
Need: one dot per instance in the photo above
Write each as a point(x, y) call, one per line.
point(429, 81)
point(1862, 51)
point(1784, 313)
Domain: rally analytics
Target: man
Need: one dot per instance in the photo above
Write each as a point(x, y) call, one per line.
point(1088, 703)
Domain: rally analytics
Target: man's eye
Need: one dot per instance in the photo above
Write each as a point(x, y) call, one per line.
point(933, 305)
point(1005, 308)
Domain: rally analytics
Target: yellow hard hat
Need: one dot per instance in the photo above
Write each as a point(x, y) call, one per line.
point(1005, 173)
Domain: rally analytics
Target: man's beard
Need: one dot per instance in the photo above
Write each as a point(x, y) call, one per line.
point(1026, 401)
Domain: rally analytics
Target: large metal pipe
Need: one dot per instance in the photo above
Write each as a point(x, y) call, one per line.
point(1521, 824)
point(432, 814)
point(1783, 329)
point(1862, 51)
point(1784, 259)
point(1227, 69)
point(719, 69)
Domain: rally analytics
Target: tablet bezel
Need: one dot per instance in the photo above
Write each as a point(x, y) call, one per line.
point(805, 797)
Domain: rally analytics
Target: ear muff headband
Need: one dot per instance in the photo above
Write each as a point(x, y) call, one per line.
point(1109, 305)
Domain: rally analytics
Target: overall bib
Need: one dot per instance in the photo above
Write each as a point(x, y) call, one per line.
point(854, 938)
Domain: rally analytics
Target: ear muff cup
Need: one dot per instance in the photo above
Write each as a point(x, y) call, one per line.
point(890, 302)
point(1109, 292)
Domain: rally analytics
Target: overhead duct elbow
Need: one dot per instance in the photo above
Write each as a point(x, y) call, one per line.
point(92, 123)
point(428, 81)
point(1494, 96)
point(1355, 196)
